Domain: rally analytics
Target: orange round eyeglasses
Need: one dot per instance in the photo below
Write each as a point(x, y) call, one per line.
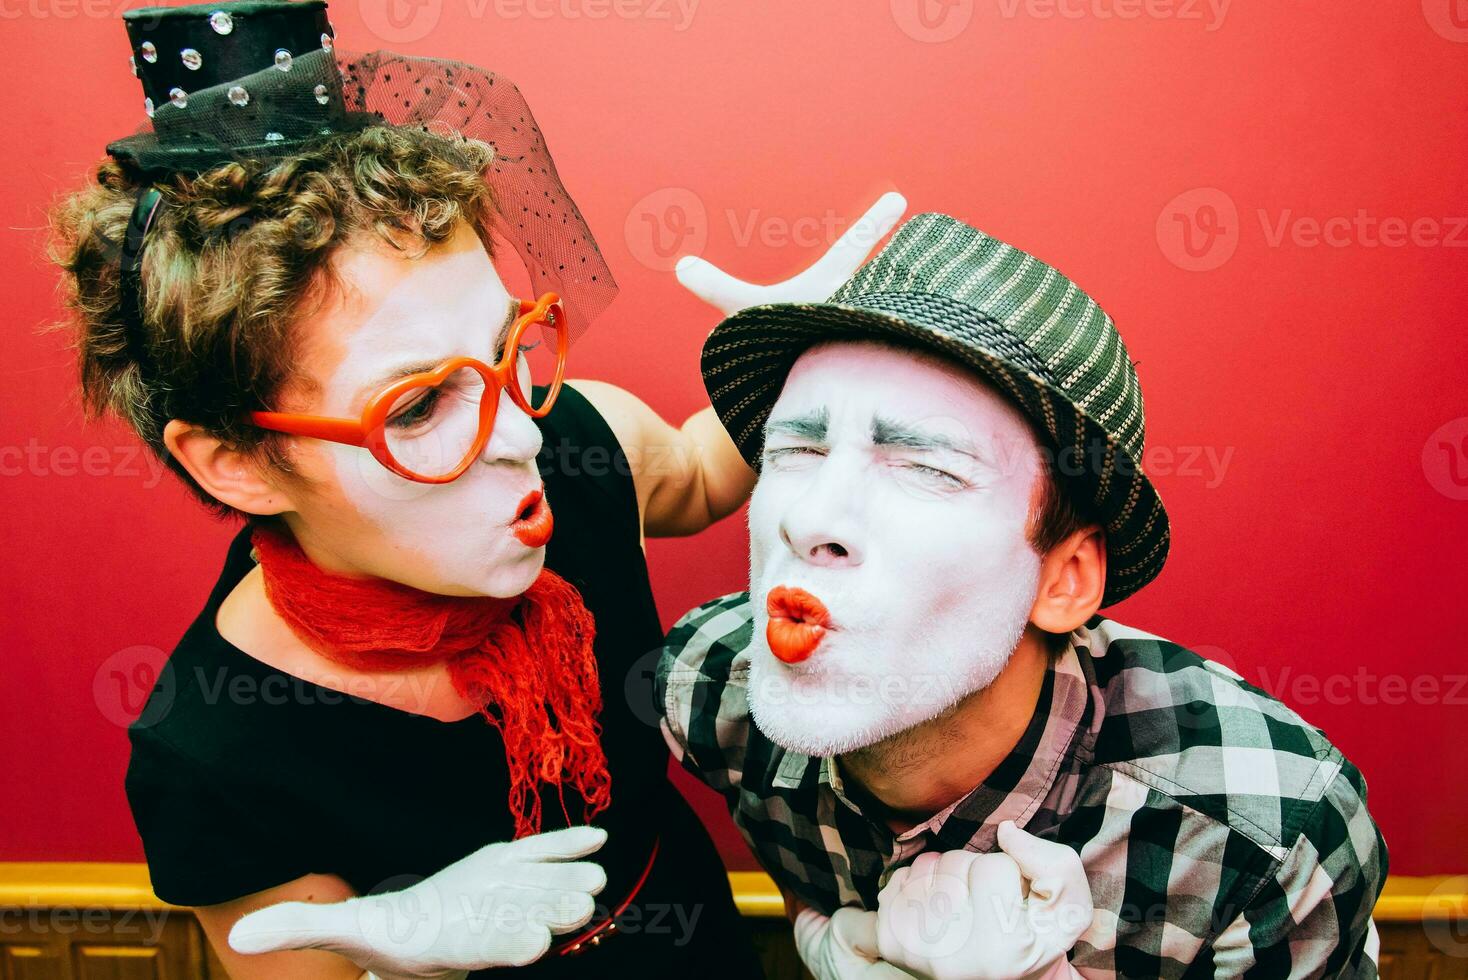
point(430, 426)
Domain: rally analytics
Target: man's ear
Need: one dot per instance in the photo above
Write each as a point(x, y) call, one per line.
point(227, 474)
point(1072, 582)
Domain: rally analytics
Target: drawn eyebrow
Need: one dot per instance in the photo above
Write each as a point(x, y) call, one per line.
point(419, 366)
point(403, 371)
point(811, 426)
point(889, 432)
point(499, 335)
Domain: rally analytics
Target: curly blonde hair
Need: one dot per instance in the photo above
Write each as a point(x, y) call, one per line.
point(233, 259)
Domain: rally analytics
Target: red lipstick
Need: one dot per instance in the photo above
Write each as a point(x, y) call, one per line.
point(533, 524)
point(798, 621)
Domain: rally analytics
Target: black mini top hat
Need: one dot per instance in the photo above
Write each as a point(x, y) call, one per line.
point(232, 80)
point(254, 80)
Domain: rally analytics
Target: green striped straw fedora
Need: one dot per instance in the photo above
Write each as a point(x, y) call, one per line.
point(1028, 330)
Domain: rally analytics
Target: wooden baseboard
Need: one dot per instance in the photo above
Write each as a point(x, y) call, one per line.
point(92, 921)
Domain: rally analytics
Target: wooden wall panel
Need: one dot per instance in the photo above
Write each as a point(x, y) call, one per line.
point(101, 922)
point(102, 944)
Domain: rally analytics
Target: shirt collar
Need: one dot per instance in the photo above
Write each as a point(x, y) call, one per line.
point(1019, 784)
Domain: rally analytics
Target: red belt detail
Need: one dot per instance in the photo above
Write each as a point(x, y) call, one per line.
point(606, 928)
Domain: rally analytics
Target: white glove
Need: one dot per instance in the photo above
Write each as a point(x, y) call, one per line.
point(842, 946)
point(496, 907)
point(1010, 916)
point(815, 285)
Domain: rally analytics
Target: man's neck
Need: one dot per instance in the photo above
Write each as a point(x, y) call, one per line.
point(914, 774)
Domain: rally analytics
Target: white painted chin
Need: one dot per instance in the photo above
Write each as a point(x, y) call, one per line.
point(509, 571)
point(517, 573)
point(829, 712)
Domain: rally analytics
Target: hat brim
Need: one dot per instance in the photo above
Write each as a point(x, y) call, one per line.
point(746, 359)
point(152, 157)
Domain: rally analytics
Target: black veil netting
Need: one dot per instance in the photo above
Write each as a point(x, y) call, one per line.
point(278, 111)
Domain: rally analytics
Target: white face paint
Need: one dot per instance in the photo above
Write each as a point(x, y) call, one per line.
point(394, 313)
point(918, 552)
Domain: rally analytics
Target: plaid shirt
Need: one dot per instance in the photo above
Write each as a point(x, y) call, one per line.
point(1221, 834)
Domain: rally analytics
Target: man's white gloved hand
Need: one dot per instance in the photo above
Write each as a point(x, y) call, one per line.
point(815, 285)
point(497, 907)
point(842, 946)
point(1009, 916)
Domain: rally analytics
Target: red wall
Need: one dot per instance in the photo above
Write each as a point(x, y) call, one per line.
point(1320, 551)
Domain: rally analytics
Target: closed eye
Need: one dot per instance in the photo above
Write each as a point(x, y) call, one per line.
point(935, 473)
point(780, 451)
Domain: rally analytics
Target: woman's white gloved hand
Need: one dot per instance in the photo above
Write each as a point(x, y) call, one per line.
point(497, 907)
point(815, 285)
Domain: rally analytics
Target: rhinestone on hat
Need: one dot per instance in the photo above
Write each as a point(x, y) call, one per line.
point(273, 137)
point(237, 95)
point(148, 107)
point(192, 59)
point(283, 59)
point(221, 21)
point(321, 95)
point(133, 64)
point(326, 42)
point(178, 97)
point(150, 53)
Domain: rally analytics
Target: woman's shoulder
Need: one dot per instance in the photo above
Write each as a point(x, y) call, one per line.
point(584, 443)
point(203, 693)
point(209, 834)
point(616, 408)
point(215, 755)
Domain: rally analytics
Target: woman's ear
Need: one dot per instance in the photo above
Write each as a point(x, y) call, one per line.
point(227, 474)
point(1072, 582)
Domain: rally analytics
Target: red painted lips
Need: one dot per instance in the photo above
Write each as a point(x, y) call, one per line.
point(534, 525)
point(798, 621)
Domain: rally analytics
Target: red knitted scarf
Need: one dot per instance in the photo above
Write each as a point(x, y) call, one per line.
point(527, 661)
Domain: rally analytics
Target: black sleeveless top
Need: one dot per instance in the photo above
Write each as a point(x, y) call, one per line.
point(243, 777)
